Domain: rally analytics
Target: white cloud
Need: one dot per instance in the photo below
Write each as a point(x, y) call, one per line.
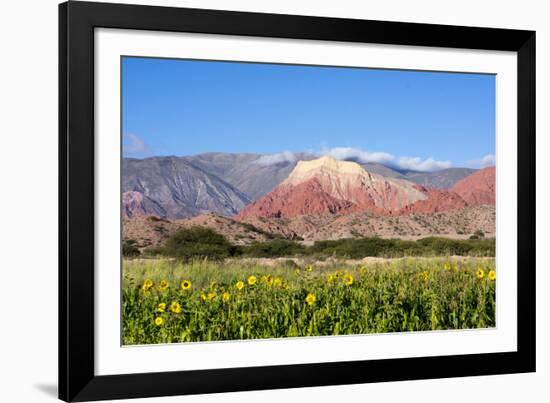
point(363, 156)
point(484, 162)
point(272, 159)
point(418, 164)
point(358, 155)
point(134, 145)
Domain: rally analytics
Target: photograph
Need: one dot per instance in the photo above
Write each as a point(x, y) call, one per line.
point(268, 201)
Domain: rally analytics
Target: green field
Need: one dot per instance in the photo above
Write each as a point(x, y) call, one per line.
point(170, 301)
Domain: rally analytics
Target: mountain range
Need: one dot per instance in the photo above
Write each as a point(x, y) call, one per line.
point(225, 183)
point(329, 186)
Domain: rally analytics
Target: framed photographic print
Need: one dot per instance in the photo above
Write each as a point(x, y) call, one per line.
point(258, 201)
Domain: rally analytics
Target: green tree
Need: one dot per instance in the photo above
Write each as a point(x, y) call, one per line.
point(199, 242)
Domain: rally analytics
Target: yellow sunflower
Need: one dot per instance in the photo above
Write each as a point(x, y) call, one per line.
point(309, 268)
point(239, 285)
point(226, 296)
point(278, 282)
point(480, 273)
point(447, 266)
point(310, 299)
point(211, 296)
point(492, 275)
point(147, 285)
point(185, 284)
point(159, 321)
point(161, 307)
point(163, 285)
point(423, 275)
point(267, 279)
point(348, 279)
point(252, 280)
point(175, 307)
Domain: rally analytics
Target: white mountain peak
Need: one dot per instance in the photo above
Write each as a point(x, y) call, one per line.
point(330, 163)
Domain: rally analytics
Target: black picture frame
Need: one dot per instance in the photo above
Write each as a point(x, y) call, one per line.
point(77, 379)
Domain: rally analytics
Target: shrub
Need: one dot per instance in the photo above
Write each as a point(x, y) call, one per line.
point(275, 248)
point(154, 251)
point(130, 248)
point(198, 242)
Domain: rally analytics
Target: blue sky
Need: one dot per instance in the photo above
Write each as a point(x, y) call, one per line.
point(407, 119)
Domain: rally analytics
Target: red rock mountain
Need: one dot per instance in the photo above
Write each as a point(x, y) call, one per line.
point(477, 188)
point(436, 201)
point(327, 186)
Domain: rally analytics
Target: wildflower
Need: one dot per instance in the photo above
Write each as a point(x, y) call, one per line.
point(185, 284)
point(480, 273)
point(310, 299)
point(348, 279)
point(252, 280)
point(163, 285)
point(424, 275)
point(492, 275)
point(239, 285)
point(147, 285)
point(309, 268)
point(330, 278)
point(278, 282)
point(161, 307)
point(267, 280)
point(175, 307)
point(226, 296)
point(159, 321)
point(211, 296)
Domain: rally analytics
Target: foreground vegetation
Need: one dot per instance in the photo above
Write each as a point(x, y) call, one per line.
point(166, 301)
point(198, 242)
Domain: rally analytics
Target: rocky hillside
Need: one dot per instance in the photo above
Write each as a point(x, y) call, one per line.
point(253, 174)
point(173, 187)
point(443, 179)
point(478, 188)
point(454, 224)
point(153, 231)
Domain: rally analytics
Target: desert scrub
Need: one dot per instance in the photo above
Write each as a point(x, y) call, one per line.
point(168, 301)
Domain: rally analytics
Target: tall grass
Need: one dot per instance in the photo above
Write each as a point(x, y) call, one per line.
point(405, 295)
